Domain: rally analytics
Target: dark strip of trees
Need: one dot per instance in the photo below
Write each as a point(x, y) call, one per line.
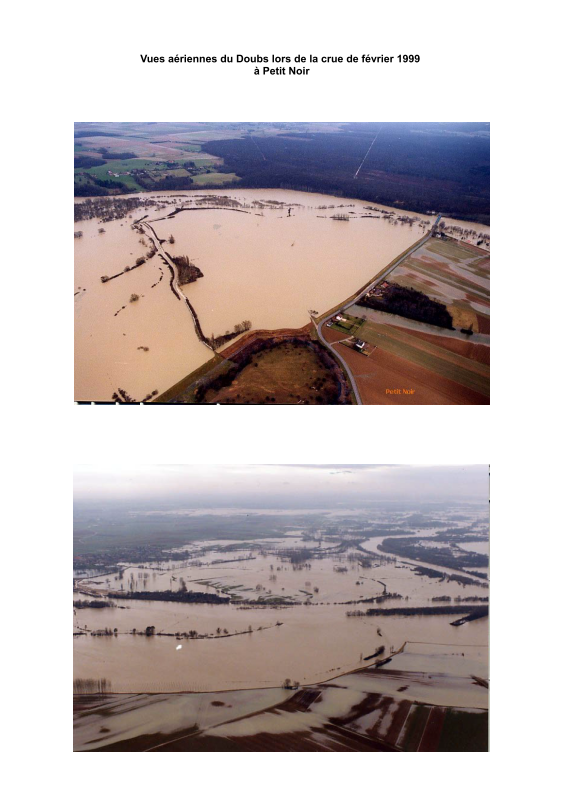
point(172, 596)
point(437, 610)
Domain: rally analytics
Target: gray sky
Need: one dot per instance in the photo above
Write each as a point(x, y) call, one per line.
point(268, 485)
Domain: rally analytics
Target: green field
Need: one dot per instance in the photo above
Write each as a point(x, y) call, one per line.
point(451, 249)
point(157, 169)
point(214, 178)
point(349, 326)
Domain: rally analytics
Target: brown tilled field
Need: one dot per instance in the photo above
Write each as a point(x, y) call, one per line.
point(382, 371)
point(473, 351)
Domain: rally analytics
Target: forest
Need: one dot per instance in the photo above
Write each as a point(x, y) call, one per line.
point(422, 167)
point(409, 303)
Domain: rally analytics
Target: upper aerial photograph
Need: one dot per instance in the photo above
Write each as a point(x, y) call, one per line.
point(266, 296)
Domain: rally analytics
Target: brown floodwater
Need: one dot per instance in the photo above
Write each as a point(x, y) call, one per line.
point(260, 265)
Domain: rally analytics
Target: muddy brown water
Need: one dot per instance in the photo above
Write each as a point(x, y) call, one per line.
point(265, 266)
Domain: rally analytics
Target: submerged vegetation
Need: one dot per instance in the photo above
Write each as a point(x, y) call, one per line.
point(441, 556)
point(188, 272)
point(425, 610)
point(172, 596)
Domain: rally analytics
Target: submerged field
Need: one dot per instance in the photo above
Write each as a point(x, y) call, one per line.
point(371, 710)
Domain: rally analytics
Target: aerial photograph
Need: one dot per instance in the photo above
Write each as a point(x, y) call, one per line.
point(266, 296)
point(281, 608)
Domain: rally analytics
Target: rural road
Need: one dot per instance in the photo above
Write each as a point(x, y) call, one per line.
point(355, 300)
point(367, 154)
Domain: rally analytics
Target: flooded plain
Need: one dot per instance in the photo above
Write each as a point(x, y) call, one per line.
point(267, 256)
point(283, 619)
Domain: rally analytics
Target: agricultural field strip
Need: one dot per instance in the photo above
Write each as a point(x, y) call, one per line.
point(443, 285)
point(404, 372)
point(448, 279)
point(406, 323)
point(455, 250)
point(443, 294)
point(462, 267)
point(465, 372)
point(423, 345)
point(206, 178)
point(453, 270)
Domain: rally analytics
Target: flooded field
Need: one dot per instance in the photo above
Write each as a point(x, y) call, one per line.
point(424, 700)
point(267, 256)
point(290, 607)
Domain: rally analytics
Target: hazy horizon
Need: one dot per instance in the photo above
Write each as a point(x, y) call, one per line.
point(304, 486)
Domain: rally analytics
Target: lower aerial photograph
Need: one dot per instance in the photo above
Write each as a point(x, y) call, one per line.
point(281, 608)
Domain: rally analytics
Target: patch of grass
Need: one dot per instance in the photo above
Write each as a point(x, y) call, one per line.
point(463, 318)
point(179, 171)
point(451, 249)
point(215, 178)
point(350, 326)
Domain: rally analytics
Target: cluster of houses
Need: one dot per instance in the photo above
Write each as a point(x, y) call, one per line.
point(116, 175)
point(337, 319)
point(378, 290)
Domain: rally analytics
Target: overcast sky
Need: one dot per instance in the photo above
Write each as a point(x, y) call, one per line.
point(285, 485)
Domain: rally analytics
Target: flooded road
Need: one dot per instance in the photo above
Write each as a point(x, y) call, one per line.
point(267, 262)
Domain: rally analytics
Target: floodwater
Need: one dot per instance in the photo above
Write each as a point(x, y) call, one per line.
point(260, 265)
point(314, 642)
point(476, 546)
